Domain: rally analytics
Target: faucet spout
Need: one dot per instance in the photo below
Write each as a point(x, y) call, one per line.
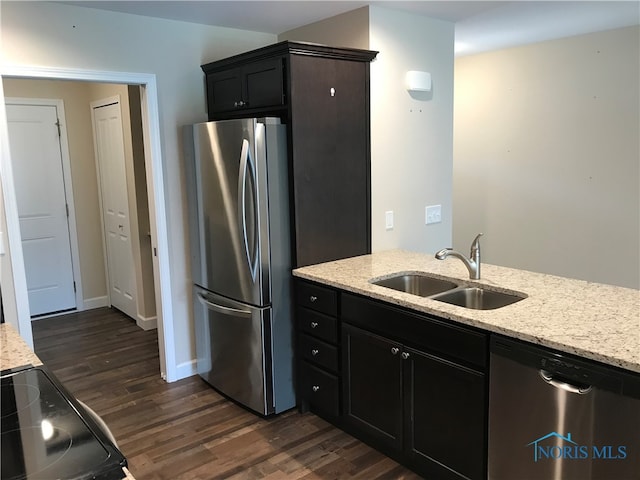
point(444, 253)
point(472, 263)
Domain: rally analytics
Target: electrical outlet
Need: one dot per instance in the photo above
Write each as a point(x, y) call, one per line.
point(388, 220)
point(433, 214)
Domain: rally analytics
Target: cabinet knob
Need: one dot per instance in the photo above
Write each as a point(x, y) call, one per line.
point(405, 355)
point(313, 298)
point(315, 388)
point(314, 352)
point(395, 350)
point(314, 324)
point(332, 92)
point(239, 104)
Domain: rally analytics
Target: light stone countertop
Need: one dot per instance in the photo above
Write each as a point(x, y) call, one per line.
point(592, 320)
point(14, 352)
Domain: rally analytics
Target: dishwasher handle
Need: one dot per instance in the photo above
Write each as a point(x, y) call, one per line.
point(563, 385)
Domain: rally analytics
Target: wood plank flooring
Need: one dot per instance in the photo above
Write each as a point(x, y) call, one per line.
point(185, 429)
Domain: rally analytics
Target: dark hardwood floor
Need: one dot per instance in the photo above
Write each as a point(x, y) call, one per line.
point(185, 429)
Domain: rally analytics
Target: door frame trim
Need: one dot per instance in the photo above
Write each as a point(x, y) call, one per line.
point(156, 192)
point(68, 184)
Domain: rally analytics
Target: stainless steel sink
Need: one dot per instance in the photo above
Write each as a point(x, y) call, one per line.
point(478, 298)
point(416, 284)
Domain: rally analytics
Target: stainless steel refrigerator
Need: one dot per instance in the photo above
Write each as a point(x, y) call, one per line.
point(238, 199)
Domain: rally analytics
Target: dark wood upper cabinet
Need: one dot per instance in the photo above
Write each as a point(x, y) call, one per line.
point(259, 84)
point(322, 94)
point(331, 169)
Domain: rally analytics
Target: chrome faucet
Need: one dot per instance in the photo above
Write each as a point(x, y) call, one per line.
point(472, 263)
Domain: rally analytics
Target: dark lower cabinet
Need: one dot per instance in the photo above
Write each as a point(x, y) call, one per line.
point(411, 385)
point(444, 417)
point(317, 350)
point(426, 411)
point(372, 376)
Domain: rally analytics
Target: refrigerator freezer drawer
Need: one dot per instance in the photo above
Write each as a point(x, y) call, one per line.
point(234, 349)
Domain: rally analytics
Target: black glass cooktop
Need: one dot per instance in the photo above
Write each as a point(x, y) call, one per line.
point(46, 435)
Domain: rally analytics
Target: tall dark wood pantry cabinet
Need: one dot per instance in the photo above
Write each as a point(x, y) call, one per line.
point(322, 94)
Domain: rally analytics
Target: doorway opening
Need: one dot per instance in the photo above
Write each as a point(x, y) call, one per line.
point(155, 186)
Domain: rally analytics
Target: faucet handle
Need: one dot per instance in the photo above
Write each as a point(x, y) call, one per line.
point(475, 245)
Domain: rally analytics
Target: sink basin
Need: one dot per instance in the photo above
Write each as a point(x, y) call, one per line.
point(478, 298)
point(416, 284)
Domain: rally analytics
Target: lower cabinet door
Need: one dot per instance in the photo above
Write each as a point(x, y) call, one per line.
point(372, 386)
point(446, 419)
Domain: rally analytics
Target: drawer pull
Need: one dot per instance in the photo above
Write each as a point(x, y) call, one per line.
point(394, 350)
point(405, 355)
point(315, 388)
point(313, 298)
point(315, 352)
point(314, 324)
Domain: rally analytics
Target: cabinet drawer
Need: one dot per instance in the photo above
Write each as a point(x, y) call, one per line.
point(320, 389)
point(319, 352)
point(317, 298)
point(317, 324)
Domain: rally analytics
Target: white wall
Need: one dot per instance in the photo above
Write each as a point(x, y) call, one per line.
point(350, 29)
point(64, 36)
point(547, 156)
point(411, 136)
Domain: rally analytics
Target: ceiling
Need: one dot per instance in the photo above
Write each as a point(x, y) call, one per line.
point(480, 25)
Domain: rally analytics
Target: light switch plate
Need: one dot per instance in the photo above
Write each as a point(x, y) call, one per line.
point(433, 214)
point(388, 220)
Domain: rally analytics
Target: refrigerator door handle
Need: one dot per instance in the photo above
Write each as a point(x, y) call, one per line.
point(247, 166)
point(224, 309)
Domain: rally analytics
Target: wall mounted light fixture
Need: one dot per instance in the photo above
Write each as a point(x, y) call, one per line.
point(416, 81)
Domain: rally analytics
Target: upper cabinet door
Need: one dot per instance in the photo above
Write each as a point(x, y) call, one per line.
point(263, 83)
point(224, 90)
point(256, 85)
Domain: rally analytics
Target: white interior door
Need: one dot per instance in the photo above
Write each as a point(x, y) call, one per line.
point(42, 208)
point(109, 145)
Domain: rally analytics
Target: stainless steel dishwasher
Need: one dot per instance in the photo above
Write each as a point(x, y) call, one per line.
point(553, 416)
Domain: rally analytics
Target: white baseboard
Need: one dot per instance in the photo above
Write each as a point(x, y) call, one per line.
point(147, 323)
point(95, 302)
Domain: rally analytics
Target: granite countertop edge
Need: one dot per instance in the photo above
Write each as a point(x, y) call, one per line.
point(595, 321)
